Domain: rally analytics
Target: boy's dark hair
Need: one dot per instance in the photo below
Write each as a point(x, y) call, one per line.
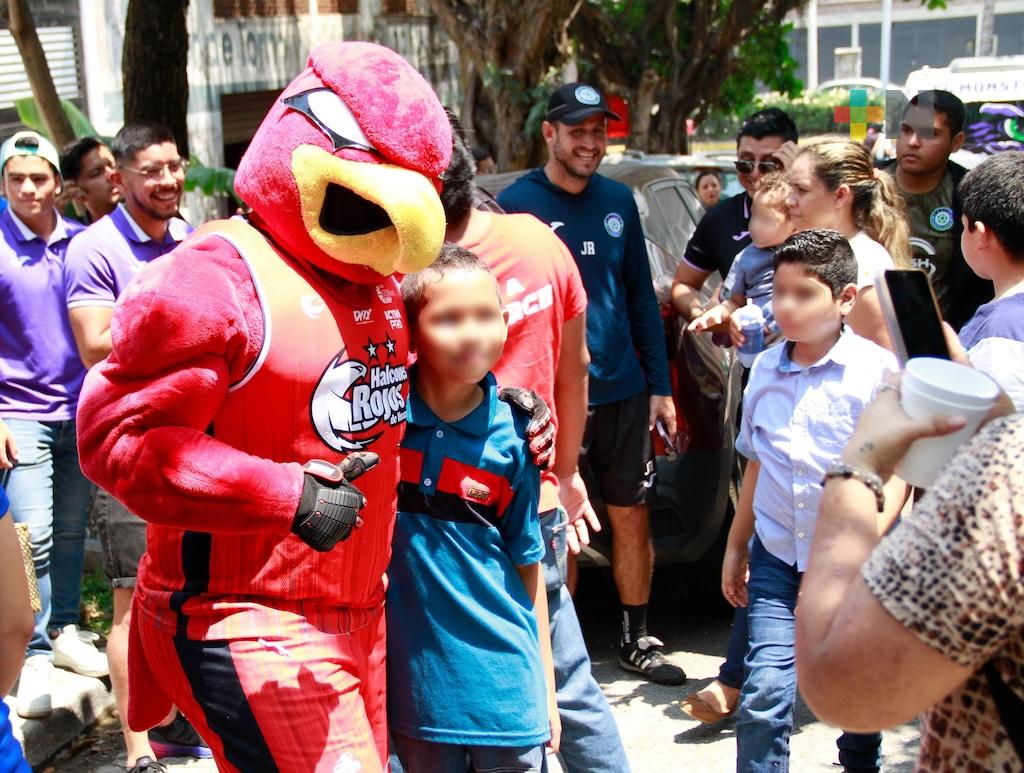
point(452, 258)
point(993, 193)
point(71, 156)
point(823, 254)
point(770, 122)
point(949, 105)
point(457, 181)
point(138, 136)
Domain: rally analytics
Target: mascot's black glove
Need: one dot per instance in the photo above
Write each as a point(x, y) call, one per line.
point(540, 431)
point(330, 504)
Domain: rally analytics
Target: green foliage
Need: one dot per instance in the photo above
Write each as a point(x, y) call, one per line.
point(502, 84)
point(97, 602)
point(814, 113)
point(766, 62)
point(211, 180)
point(29, 115)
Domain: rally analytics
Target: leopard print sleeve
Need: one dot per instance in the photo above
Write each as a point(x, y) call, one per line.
point(953, 573)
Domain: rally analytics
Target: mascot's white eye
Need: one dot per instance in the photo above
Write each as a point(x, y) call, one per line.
point(327, 110)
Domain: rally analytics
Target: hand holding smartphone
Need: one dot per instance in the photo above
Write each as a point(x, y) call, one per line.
point(911, 314)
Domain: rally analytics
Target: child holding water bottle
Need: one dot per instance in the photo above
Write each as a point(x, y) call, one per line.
point(801, 403)
point(749, 283)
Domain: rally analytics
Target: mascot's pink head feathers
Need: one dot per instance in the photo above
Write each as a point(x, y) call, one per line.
point(346, 167)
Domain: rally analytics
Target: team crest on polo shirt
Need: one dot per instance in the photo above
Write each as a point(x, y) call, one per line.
point(614, 224)
point(356, 396)
point(941, 218)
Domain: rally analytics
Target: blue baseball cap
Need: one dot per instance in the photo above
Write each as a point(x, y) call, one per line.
point(573, 103)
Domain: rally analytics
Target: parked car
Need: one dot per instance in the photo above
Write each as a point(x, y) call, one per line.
point(688, 166)
point(696, 489)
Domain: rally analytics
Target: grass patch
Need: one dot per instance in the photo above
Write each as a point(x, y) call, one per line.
point(97, 602)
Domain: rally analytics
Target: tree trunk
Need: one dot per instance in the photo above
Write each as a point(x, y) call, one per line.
point(513, 147)
point(23, 30)
point(154, 65)
point(513, 47)
point(646, 97)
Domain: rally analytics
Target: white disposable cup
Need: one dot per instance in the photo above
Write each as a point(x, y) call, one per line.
point(929, 387)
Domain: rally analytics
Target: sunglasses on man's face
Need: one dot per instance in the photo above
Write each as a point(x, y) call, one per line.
point(766, 166)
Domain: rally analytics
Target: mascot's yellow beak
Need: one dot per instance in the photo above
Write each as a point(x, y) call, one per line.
point(376, 215)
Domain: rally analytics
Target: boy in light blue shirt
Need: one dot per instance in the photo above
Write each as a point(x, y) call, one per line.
point(800, 406)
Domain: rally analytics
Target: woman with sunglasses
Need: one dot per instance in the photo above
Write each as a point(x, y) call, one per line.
point(835, 185)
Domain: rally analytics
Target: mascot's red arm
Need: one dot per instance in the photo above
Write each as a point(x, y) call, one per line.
point(185, 330)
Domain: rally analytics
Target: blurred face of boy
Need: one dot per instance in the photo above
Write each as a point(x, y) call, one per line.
point(804, 307)
point(149, 184)
point(460, 331)
point(577, 149)
point(30, 185)
point(770, 225)
point(925, 143)
point(96, 181)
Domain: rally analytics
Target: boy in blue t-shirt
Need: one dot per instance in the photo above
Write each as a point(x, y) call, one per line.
point(993, 246)
point(800, 406)
point(470, 679)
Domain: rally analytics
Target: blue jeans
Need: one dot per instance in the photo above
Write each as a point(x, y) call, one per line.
point(769, 686)
point(49, 492)
point(418, 756)
point(590, 737)
point(731, 672)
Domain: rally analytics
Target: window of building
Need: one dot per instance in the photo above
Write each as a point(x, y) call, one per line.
point(930, 42)
point(407, 7)
point(1009, 30)
point(829, 39)
point(235, 9)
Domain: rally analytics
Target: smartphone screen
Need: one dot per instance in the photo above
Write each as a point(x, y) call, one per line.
point(912, 314)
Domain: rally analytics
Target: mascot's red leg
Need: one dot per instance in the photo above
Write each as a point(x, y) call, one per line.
point(302, 700)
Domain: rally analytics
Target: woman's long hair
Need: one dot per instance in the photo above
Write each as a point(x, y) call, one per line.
point(878, 206)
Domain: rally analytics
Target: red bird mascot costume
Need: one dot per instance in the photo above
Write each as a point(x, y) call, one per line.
point(250, 352)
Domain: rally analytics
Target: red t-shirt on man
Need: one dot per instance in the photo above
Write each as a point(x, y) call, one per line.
point(541, 288)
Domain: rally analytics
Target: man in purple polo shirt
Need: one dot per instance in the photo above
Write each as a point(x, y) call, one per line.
point(40, 378)
point(102, 261)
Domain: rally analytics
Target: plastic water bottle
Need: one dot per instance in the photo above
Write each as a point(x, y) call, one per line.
point(751, 320)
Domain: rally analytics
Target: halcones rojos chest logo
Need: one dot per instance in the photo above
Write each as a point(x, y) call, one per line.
point(355, 396)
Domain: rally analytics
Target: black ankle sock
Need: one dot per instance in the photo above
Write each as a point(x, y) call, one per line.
point(634, 622)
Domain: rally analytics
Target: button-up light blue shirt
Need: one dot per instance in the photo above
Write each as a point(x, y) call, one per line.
point(796, 421)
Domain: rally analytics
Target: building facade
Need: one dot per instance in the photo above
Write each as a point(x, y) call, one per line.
point(920, 37)
point(243, 52)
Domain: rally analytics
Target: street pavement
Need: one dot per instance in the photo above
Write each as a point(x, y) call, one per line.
point(657, 735)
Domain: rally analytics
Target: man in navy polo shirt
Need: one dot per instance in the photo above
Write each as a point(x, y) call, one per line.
point(629, 383)
point(40, 378)
point(103, 260)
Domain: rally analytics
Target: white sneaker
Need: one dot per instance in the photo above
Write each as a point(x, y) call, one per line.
point(34, 688)
point(76, 651)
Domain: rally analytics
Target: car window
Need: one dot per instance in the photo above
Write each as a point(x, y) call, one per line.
point(676, 217)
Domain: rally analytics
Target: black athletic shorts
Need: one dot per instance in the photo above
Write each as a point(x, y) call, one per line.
point(616, 460)
point(122, 537)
